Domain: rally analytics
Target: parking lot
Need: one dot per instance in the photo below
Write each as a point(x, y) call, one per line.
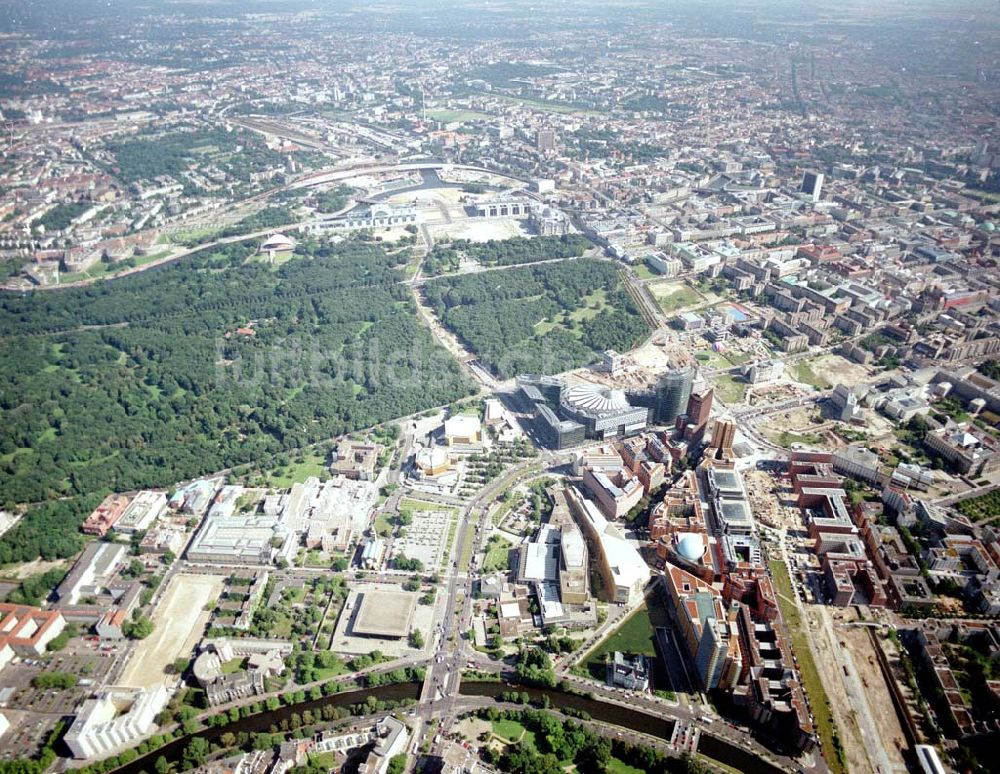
point(426, 537)
point(83, 659)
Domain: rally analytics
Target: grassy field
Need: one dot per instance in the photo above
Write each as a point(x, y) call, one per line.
point(233, 665)
point(674, 296)
point(548, 107)
point(818, 701)
point(497, 556)
point(465, 552)
point(712, 359)
point(643, 272)
point(635, 635)
point(616, 766)
point(590, 306)
point(324, 761)
point(728, 388)
point(512, 731)
point(419, 505)
point(802, 372)
point(787, 439)
point(295, 473)
point(447, 116)
point(382, 525)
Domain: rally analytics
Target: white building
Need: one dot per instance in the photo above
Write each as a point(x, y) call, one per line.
point(463, 430)
point(115, 719)
point(92, 572)
point(391, 738)
point(857, 462)
point(623, 570)
point(765, 371)
point(376, 216)
point(146, 508)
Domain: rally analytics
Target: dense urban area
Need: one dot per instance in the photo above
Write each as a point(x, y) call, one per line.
point(499, 387)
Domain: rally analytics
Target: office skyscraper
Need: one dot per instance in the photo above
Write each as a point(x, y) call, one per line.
point(723, 437)
point(812, 184)
point(545, 140)
point(699, 408)
point(672, 394)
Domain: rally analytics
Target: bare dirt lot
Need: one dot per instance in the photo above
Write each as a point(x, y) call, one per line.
point(481, 229)
point(179, 620)
point(876, 693)
point(840, 369)
point(843, 713)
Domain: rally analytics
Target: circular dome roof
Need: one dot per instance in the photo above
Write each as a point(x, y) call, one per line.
point(594, 399)
point(207, 667)
point(278, 240)
point(691, 547)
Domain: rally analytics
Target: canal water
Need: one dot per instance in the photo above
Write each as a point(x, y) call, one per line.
point(173, 751)
point(613, 714)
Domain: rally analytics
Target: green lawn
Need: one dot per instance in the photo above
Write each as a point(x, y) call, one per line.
point(673, 296)
point(465, 554)
point(328, 672)
point(787, 439)
point(712, 359)
point(420, 505)
point(296, 472)
point(233, 665)
point(635, 635)
point(803, 373)
point(496, 557)
point(643, 272)
point(728, 388)
point(590, 306)
point(819, 702)
point(382, 525)
point(615, 766)
point(447, 115)
point(512, 731)
point(324, 761)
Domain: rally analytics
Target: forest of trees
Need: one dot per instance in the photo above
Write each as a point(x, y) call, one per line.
point(143, 381)
point(505, 252)
point(554, 742)
point(60, 216)
point(148, 156)
point(497, 315)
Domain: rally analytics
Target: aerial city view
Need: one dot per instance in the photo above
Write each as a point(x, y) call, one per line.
point(478, 386)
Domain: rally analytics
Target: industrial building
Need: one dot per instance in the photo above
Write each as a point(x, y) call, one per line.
point(25, 631)
point(240, 540)
point(92, 572)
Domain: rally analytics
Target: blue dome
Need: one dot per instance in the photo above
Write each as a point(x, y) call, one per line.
point(691, 547)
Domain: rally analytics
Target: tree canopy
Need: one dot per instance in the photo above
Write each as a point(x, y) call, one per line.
point(157, 378)
point(539, 319)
